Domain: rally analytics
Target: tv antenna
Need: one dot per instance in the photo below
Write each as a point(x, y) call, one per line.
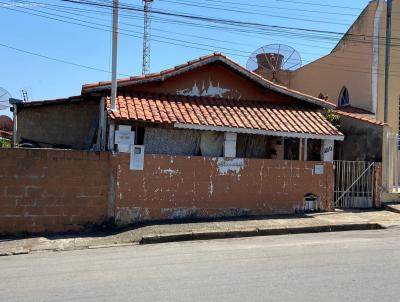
point(270, 61)
point(146, 36)
point(24, 93)
point(4, 99)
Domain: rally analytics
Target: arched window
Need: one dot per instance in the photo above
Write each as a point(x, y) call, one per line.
point(344, 98)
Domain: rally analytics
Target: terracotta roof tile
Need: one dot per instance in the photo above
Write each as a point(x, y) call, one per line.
point(359, 114)
point(253, 115)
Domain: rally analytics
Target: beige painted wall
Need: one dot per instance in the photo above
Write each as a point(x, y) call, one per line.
point(348, 65)
point(394, 82)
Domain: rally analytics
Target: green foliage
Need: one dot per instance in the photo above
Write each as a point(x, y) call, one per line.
point(5, 143)
point(331, 116)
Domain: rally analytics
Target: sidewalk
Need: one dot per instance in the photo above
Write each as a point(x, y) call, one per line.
point(308, 223)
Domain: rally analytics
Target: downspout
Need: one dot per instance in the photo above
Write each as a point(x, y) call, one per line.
point(375, 55)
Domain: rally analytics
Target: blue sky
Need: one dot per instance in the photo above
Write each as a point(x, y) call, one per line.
point(45, 79)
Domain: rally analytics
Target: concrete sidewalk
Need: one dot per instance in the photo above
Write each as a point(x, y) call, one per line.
point(318, 222)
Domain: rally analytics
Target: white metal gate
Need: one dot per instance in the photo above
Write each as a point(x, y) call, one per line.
point(354, 184)
point(393, 163)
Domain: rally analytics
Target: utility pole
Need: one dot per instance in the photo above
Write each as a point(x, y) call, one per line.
point(114, 55)
point(387, 62)
point(146, 37)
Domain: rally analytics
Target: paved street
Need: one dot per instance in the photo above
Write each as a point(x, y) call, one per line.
point(347, 266)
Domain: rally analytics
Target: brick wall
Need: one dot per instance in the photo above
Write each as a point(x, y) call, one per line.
point(181, 187)
point(58, 190)
point(52, 190)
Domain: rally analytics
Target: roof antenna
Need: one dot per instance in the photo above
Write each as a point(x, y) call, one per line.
point(146, 37)
point(24, 93)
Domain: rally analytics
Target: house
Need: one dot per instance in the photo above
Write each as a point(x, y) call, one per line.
point(211, 139)
point(213, 100)
point(184, 107)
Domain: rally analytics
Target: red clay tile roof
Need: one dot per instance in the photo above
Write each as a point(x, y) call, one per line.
point(215, 57)
point(6, 134)
point(239, 115)
point(359, 114)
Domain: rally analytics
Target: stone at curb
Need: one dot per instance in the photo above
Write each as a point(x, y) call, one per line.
point(5, 254)
point(20, 252)
point(103, 246)
point(149, 239)
point(224, 234)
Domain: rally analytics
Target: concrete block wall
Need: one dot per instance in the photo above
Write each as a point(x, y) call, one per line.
point(175, 187)
point(49, 191)
point(52, 190)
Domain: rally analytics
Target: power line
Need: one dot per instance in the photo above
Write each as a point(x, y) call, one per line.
point(124, 6)
point(333, 65)
point(280, 8)
point(225, 8)
point(55, 59)
point(232, 51)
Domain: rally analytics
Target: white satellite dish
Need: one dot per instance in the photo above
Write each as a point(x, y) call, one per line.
point(270, 61)
point(4, 99)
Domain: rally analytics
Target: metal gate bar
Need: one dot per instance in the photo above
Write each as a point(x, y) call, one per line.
point(354, 184)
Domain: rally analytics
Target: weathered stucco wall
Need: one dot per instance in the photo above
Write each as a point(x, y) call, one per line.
point(184, 187)
point(65, 124)
point(363, 141)
point(52, 190)
point(212, 80)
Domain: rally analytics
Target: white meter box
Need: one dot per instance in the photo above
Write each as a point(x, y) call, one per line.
point(137, 158)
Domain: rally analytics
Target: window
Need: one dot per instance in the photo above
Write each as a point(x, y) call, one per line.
point(344, 98)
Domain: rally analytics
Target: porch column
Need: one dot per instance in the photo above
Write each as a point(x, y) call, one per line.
point(327, 150)
point(230, 144)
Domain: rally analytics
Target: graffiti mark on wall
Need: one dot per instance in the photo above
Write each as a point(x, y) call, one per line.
point(211, 90)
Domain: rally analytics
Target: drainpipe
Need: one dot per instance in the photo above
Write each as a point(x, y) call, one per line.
point(14, 103)
point(387, 62)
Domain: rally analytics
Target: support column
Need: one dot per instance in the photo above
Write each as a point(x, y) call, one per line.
point(305, 157)
point(111, 137)
point(230, 144)
point(327, 150)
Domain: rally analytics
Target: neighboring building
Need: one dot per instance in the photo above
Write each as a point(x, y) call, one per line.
point(352, 77)
point(6, 127)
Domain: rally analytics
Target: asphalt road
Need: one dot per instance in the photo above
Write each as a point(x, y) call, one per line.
point(351, 266)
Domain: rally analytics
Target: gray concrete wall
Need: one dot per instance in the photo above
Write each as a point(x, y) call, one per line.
point(63, 124)
point(363, 141)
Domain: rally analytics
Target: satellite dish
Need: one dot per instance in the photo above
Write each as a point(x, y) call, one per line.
point(4, 99)
point(270, 61)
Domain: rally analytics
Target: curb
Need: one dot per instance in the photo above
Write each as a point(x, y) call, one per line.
point(388, 207)
point(209, 235)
